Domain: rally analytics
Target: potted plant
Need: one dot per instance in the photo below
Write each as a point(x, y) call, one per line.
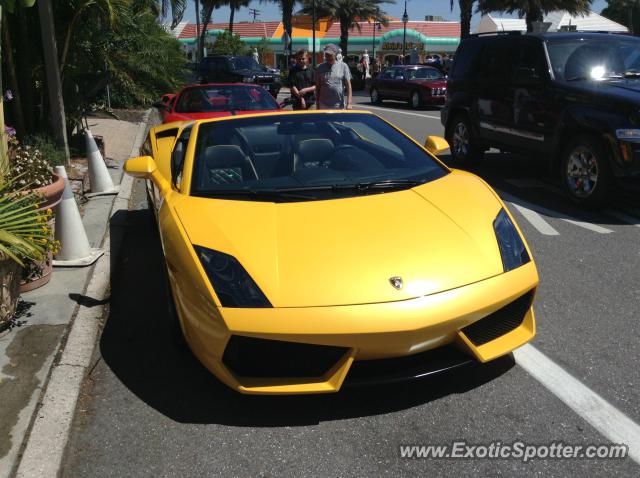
point(25, 236)
point(29, 171)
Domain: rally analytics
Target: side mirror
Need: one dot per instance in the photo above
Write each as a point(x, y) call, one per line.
point(399, 77)
point(436, 145)
point(526, 77)
point(140, 167)
point(160, 105)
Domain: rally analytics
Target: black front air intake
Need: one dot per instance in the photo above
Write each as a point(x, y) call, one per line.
point(500, 322)
point(260, 358)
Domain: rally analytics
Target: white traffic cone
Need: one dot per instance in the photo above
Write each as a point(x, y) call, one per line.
point(74, 245)
point(99, 177)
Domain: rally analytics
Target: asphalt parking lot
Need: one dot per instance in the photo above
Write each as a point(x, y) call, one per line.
point(148, 409)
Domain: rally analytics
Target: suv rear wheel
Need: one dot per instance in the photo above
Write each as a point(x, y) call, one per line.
point(461, 140)
point(586, 173)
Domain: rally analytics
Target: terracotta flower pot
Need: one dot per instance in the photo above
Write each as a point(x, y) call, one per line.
point(10, 273)
point(52, 192)
point(40, 276)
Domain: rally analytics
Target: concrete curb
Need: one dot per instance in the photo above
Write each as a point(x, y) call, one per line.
point(49, 434)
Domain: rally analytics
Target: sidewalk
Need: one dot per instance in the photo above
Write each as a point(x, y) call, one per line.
point(27, 352)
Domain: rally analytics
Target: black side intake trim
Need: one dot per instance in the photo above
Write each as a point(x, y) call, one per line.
point(500, 322)
point(261, 358)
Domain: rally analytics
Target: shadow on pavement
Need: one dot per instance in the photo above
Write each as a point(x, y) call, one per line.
point(540, 186)
point(137, 346)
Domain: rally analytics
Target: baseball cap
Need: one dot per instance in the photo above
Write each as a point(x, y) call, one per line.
point(331, 48)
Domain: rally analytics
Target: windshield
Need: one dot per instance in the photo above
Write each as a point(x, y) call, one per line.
point(244, 63)
point(225, 98)
point(425, 74)
point(595, 59)
point(315, 156)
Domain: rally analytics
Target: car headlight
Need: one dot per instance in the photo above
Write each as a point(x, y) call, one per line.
point(231, 282)
point(628, 134)
point(247, 79)
point(512, 249)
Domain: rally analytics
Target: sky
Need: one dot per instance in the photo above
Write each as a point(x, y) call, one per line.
point(416, 9)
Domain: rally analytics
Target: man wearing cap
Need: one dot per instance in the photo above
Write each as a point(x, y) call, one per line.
point(332, 79)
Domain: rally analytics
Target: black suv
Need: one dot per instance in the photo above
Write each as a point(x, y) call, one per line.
point(238, 69)
point(573, 98)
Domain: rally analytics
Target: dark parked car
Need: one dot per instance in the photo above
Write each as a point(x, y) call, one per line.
point(571, 98)
point(419, 85)
point(238, 69)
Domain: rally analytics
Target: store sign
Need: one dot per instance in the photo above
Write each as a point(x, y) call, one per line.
point(397, 46)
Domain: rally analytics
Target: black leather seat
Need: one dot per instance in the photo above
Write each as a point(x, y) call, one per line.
point(313, 153)
point(224, 164)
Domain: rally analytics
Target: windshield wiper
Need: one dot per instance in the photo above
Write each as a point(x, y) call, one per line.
point(262, 193)
point(366, 186)
point(575, 78)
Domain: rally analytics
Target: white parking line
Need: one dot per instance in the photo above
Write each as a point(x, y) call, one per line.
point(552, 213)
point(536, 221)
point(391, 110)
point(594, 409)
point(624, 217)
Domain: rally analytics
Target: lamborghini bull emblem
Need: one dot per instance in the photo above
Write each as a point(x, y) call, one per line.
point(396, 282)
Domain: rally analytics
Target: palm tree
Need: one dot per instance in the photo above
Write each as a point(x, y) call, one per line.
point(287, 15)
point(233, 6)
point(624, 12)
point(160, 8)
point(207, 13)
point(466, 10)
point(348, 13)
point(533, 10)
point(111, 9)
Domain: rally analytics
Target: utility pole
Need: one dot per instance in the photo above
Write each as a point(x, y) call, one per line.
point(54, 86)
point(255, 13)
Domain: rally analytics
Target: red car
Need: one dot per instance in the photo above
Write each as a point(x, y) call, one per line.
point(213, 100)
point(167, 104)
point(418, 85)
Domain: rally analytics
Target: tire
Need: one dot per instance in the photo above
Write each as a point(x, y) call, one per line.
point(376, 99)
point(586, 171)
point(463, 144)
point(415, 101)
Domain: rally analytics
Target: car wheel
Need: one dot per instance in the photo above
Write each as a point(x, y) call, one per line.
point(375, 97)
point(461, 140)
point(415, 101)
point(586, 173)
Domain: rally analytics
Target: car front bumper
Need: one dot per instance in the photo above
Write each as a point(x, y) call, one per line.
point(371, 335)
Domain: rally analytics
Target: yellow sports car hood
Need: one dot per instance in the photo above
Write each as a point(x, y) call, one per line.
point(434, 237)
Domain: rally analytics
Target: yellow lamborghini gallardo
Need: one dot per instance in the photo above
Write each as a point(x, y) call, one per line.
point(313, 250)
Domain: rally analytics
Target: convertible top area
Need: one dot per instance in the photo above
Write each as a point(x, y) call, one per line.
point(331, 155)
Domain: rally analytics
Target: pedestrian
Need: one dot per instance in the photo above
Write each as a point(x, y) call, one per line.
point(376, 68)
point(446, 64)
point(302, 82)
point(333, 78)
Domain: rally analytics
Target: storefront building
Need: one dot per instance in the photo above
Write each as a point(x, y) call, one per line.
point(423, 38)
